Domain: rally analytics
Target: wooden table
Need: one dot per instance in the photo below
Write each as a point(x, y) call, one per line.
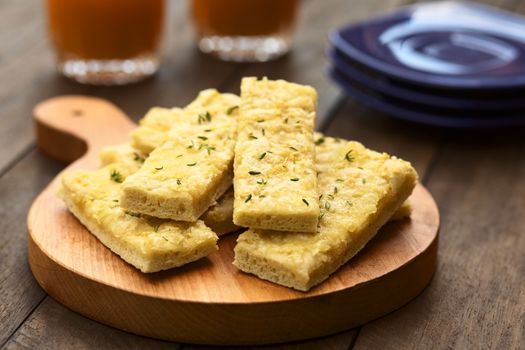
point(477, 297)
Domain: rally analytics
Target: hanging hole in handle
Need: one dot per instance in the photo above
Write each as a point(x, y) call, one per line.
point(77, 113)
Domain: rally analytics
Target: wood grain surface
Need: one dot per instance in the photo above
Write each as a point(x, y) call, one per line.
point(209, 301)
point(474, 302)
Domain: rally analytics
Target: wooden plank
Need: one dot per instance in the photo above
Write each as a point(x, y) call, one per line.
point(339, 341)
point(307, 62)
point(476, 299)
point(19, 293)
point(519, 7)
point(27, 64)
point(53, 326)
point(20, 59)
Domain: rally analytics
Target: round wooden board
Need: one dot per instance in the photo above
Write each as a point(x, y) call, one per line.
point(208, 301)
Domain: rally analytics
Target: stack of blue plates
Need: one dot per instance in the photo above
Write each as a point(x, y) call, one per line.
point(447, 64)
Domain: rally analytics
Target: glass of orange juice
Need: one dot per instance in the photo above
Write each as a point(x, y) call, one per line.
point(106, 42)
point(244, 30)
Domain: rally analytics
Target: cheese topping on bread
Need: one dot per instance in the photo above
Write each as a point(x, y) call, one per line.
point(218, 217)
point(275, 178)
point(147, 243)
point(359, 191)
point(122, 154)
point(155, 126)
point(184, 176)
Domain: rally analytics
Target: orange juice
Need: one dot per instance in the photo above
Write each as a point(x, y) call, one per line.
point(244, 25)
point(244, 17)
point(104, 30)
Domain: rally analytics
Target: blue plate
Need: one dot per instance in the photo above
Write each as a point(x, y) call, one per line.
point(488, 100)
point(444, 44)
point(410, 112)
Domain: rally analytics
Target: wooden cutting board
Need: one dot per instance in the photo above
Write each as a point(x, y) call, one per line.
point(208, 301)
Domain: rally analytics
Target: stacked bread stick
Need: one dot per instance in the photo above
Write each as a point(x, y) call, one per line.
point(307, 203)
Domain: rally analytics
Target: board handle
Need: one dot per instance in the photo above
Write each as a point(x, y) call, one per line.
point(68, 127)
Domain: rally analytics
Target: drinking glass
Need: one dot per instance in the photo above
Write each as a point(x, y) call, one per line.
point(244, 30)
point(106, 42)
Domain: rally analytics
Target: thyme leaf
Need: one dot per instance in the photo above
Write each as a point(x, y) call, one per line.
point(319, 141)
point(349, 157)
point(116, 176)
point(204, 117)
point(138, 158)
point(231, 110)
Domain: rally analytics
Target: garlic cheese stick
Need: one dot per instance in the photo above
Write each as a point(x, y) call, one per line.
point(185, 175)
point(275, 178)
point(147, 243)
point(359, 190)
point(219, 217)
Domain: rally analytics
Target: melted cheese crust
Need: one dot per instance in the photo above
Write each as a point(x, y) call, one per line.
point(275, 178)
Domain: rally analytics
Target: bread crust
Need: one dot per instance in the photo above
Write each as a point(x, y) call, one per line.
point(360, 191)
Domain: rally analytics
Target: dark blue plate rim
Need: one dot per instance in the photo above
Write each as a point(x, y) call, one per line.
point(424, 118)
point(400, 92)
point(415, 76)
